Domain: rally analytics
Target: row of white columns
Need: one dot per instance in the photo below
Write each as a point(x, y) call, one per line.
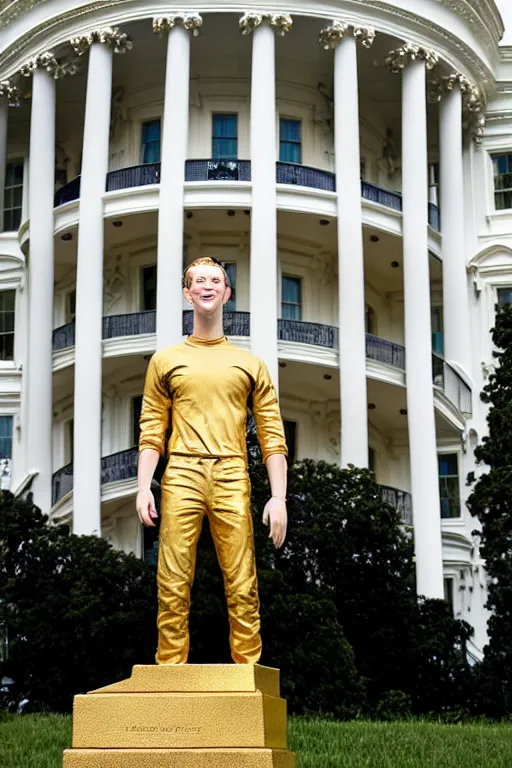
point(88, 355)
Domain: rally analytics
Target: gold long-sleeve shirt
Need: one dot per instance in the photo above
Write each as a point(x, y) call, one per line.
point(205, 387)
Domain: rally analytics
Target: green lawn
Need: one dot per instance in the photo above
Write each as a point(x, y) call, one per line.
point(36, 741)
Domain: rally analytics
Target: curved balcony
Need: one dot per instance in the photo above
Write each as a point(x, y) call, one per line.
point(444, 377)
point(240, 170)
point(123, 466)
point(305, 176)
point(114, 468)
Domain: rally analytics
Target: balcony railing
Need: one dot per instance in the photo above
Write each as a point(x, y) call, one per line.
point(384, 351)
point(132, 324)
point(62, 482)
point(305, 176)
point(136, 176)
point(452, 384)
point(308, 333)
point(116, 467)
point(376, 194)
point(67, 193)
point(218, 170)
point(400, 500)
point(119, 466)
point(240, 170)
point(64, 337)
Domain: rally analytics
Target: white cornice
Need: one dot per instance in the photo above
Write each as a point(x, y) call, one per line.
point(482, 15)
point(477, 16)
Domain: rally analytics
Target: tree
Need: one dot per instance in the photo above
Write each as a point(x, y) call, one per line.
point(491, 502)
point(78, 613)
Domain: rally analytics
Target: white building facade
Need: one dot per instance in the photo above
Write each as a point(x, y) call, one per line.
point(350, 163)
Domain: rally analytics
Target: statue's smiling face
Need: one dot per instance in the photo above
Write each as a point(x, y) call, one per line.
point(206, 290)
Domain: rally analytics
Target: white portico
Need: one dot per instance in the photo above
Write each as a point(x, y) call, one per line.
point(334, 158)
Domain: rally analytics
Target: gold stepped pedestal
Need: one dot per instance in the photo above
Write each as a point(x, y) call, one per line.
point(183, 716)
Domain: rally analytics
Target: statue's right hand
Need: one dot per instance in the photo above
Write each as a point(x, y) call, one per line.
point(146, 509)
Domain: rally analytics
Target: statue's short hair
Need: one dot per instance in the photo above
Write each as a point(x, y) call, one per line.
point(210, 262)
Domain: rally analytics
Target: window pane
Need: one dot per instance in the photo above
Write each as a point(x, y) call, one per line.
point(225, 126)
point(17, 196)
point(290, 153)
point(291, 312)
point(291, 289)
point(8, 300)
point(150, 149)
point(225, 149)
point(504, 296)
point(449, 485)
point(289, 130)
point(18, 173)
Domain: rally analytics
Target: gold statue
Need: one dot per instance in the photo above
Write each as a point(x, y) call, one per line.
point(205, 386)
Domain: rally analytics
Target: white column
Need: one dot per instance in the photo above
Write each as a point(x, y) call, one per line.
point(39, 380)
point(89, 295)
point(263, 263)
point(4, 113)
point(169, 298)
point(352, 340)
point(418, 340)
point(457, 346)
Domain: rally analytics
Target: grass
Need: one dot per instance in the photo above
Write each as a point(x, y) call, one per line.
point(37, 741)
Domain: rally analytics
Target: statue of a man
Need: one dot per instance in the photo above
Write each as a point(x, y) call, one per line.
point(204, 387)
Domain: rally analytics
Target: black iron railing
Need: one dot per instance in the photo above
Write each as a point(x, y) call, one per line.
point(135, 176)
point(385, 351)
point(305, 176)
point(218, 170)
point(400, 500)
point(452, 384)
point(308, 333)
point(64, 336)
point(132, 324)
point(67, 193)
point(234, 323)
point(385, 197)
point(118, 466)
point(62, 482)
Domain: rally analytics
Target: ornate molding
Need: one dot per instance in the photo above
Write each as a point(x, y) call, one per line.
point(473, 106)
point(333, 34)
point(386, 11)
point(47, 61)
point(190, 21)
point(398, 59)
point(112, 36)
point(282, 22)
point(10, 92)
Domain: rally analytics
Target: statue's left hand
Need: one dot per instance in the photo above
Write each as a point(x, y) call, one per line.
point(275, 516)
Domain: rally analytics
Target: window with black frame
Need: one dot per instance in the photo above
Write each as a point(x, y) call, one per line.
point(449, 485)
point(13, 196)
point(7, 312)
point(291, 298)
point(224, 137)
point(502, 166)
point(150, 141)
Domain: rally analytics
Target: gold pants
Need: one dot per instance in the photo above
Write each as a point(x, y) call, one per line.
point(192, 487)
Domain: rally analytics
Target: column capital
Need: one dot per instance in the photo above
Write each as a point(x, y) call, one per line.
point(473, 106)
point(112, 36)
point(58, 68)
point(398, 59)
point(332, 35)
point(10, 92)
point(190, 21)
point(282, 22)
